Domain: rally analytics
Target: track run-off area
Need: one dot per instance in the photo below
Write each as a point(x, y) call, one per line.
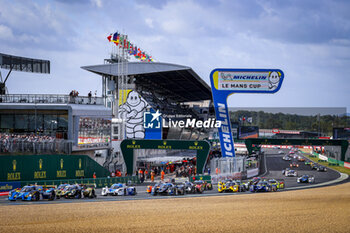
point(310, 209)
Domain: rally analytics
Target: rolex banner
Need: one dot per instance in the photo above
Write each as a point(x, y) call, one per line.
point(48, 167)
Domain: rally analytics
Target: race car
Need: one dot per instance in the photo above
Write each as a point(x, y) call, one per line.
point(306, 179)
point(290, 173)
point(166, 189)
point(48, 192)
point(251, 182)
point(189, 187)
point(27, 193)
point(308, 163)
point(286, 158)
point(301, 159)
point(242, 187)
point(285, 170)
point(279, 184)
point(230, 186)
point(263, 186)
point(280, 152)
point(204, 184)
point(59, 190)
point(294, 164)
point(151, 187)
point(118, 190)
point(72, 191)
point(88, 190)
point(314, 166)
point(321, 169)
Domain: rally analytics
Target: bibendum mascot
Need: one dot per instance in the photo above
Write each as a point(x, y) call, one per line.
point(132, 111)
point(274, 79)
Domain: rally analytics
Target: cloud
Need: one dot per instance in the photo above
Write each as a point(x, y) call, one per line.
point(308, 40)
point(97, 3)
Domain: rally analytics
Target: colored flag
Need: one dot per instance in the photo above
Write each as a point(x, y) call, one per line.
point(110, 37)
point(114, 37)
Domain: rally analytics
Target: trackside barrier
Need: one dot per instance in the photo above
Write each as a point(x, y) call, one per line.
point(100, 182)
point(8, 186)
point(226, 176)
point(252, 172)
point(204, 177)
point(331, 161)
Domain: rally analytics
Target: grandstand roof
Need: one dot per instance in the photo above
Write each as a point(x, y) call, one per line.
point(24, 64)
point(179, 80)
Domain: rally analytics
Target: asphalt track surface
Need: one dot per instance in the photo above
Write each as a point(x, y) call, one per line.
point(274, 166)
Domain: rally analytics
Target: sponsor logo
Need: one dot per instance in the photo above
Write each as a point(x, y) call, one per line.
point(155, 121)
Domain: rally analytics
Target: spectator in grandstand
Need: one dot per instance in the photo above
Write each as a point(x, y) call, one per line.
point(90, 96)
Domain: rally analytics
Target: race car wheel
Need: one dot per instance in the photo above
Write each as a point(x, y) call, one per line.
point(36, 197)
point(124, 192)
point(92, 194)
point(52, 196)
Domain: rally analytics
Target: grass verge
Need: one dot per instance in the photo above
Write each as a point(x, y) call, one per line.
point(326, 164)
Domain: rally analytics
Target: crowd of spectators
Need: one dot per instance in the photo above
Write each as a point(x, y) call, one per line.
point(17, 143)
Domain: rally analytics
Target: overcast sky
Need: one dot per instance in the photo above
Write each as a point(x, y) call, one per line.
point(308, 39)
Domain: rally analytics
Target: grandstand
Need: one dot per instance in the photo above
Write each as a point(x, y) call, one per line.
point(166, 87)
point(174, 90)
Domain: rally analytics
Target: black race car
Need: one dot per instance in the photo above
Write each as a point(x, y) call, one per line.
point(321, 169)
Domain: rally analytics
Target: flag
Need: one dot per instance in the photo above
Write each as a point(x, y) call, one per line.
point(109, 38)
point(114, 37)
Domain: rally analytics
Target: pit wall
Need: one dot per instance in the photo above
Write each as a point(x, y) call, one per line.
point(48, 167)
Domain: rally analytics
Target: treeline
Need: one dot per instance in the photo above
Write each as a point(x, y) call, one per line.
point(283, 121)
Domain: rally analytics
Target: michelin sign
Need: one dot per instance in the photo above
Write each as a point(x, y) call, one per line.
point(225, 82)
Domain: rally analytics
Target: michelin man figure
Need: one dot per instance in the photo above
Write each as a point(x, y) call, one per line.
point(274, 79)
point(132, 111)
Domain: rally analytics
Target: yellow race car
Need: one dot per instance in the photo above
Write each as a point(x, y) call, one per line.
point(229, 186)
point(278, 184)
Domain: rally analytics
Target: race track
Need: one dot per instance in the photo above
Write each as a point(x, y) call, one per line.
point(274, 167)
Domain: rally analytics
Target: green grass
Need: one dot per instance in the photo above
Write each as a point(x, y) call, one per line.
point(326, 164)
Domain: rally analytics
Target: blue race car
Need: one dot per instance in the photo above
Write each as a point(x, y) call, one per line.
point(27, 193)
point(119, 190)
point(49, 193)
point(165, 189)
point(263, 186)
point(306, 179)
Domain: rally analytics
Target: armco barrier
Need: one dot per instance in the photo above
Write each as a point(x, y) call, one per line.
point(100, 182)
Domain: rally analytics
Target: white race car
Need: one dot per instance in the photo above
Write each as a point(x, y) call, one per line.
point(118, 190)
point(290, 173)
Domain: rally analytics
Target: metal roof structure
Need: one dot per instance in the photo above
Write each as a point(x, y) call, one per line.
point(165, 78)
point(16, 63)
